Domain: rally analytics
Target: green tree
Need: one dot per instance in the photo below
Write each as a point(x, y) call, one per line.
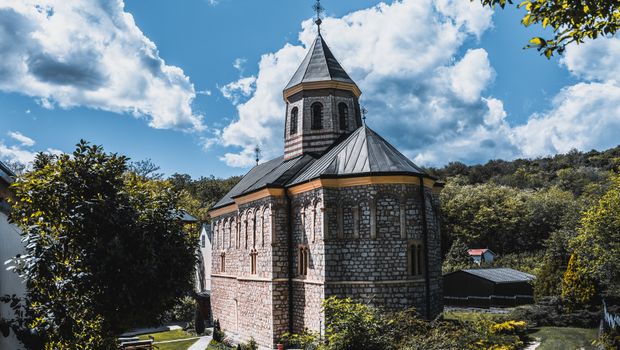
point(571, 21)
point(354, 326)
point(597, 246)
point(105, 251)
point(457, 257)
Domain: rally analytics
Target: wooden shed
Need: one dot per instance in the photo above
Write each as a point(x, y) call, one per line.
point(500, 287)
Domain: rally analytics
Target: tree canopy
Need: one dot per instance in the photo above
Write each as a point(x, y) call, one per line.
point(105, 249)
point(571, 21)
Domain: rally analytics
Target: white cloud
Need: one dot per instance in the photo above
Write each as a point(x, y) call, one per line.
point(236, 90)
point(91, 53)
point(583, 116)
point(22, 151)
point(239, 64)
point(21, 138)
point(597, 60)
point(427, 97)
point(401, 55)
point(471, 75)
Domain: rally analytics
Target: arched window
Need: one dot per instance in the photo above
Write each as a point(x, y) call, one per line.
point(343, 114)
point(317, 116)
point(293, 126)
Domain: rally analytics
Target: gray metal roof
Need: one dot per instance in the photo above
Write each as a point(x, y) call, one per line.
point(319, 65)
point(501, 275)
point(363, 152)
point(6, 174)
point(274, 173)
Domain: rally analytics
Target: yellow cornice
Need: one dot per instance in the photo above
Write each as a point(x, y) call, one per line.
point(360, 181)
point(266, 192)
point(223, 210)
point(318, 183)
point(317, 85)
point(250, 197)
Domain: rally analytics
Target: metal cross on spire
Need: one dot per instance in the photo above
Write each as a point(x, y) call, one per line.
point(364, 112)
point(319, 9)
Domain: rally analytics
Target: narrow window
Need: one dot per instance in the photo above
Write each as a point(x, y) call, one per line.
point(223, 262)
point(303, 261)
point(415, 257)
point(343, 113)
point(293, 126)
point(203, 241)
point(317, 116)
point(253, 255)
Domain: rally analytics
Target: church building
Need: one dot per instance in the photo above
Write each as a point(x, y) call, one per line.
point(340, 213)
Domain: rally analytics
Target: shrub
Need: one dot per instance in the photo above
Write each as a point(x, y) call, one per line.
point(183, 311)
point(218, 334)
point(353, 326)
point(250, 345)
point(552, 311)
point(199, 322)
point(307, 340)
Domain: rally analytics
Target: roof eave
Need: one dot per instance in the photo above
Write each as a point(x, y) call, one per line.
point(318, 85)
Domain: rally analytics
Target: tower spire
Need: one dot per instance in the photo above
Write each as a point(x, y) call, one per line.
point(318, 8)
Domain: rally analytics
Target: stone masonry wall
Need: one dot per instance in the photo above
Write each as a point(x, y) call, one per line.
point(366, 249)
point(357, 241)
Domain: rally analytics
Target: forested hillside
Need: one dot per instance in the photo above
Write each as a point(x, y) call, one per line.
point(533, 212)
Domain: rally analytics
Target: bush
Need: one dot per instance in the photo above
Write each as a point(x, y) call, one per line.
point(199, 322)
point(183, 311)
point(306, 340)
point(218, 334)
point(250, 345)
point(552, 311)
point(353, 326)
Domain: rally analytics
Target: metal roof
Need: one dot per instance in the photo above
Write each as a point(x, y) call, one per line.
point(319, 65)
point(501, 275)
point(6, 174)
point(477, 252)
point(364, 152)
point(275, 173)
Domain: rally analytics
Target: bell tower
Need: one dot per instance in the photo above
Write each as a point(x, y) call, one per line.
point(322, 102)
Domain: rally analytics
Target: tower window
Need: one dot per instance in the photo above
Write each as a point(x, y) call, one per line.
point(293, 126)
point(223, 262)
point(317, 116)
point(415, 258)
point(303, 260)
point(343, 114)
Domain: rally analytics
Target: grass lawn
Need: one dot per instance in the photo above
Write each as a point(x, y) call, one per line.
point(181, 345)
point(170, 335)
point(473, 316)
point(555, 338)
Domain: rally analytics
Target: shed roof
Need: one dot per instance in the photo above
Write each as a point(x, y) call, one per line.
point(478, 252)
point(319, 65)
point(501, 275)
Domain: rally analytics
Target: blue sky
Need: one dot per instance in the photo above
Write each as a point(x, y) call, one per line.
point(193, 85)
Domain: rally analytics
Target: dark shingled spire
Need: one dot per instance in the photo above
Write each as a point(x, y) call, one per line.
point(319, 65)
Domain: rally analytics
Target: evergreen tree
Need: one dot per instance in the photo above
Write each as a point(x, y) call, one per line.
point(458, 257)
